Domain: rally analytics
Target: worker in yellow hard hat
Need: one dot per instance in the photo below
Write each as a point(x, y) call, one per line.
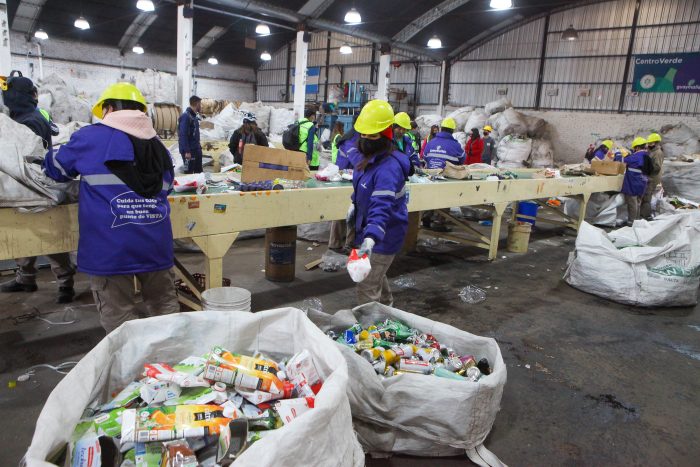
point(125, 174)
point(404, 143)
point(639, 166)
point(603, 151)
point(380, 213)
point(656, 155)
point(489, 154)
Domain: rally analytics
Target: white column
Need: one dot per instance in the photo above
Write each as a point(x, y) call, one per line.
point(5, 57)
point(41, 61)
point(184, 58)
point(383, 77)
point(300, 75)
point(441, 105)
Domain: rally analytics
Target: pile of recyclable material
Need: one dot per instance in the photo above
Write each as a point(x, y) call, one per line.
point(202, 411)
point(394, 348)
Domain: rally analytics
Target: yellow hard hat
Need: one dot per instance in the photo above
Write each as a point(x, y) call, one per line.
point(638, 141)
point(608, 143)
point(449, 123)
point(403, 120)
point(654, 138)
point(488, 128)
point(119, 91)
point(375, 117)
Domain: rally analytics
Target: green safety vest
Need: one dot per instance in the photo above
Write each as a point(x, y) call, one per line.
point(304, 126)
point(334, 148)
point(414, 140)
point(45, 114)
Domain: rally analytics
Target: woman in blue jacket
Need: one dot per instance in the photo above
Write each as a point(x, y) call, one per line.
point(379, 198)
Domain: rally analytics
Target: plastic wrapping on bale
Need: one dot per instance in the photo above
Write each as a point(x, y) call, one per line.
point(509, 122)
point(536, 126)
point(498, 106)
point(62, 102)
point(513, 152)
point(280, 119)
point(477, 119)
point(461, 138)
point(542, 154)
point(461, 116)
point(424, 123)
point(679, 140)
point(682, 179)
point(157, 86)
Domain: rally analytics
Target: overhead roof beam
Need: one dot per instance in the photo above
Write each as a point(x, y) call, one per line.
point(315, 8)
point(136, 30)
point(27, 13)
point(425, 20)
point(459, 51)
point(207, 40)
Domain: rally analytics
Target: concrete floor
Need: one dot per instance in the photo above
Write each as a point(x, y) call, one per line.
point(590, 382)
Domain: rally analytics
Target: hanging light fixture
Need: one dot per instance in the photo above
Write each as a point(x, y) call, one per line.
point(345, 49)
point(570, 34)
point(81, 23)
point(41, 34)
point(213, 61)
point(500, 4)
point(265, 56)
point(353, 16)
point(262, 30)
point(434, 43)
point(137, 49)
point(145, 5)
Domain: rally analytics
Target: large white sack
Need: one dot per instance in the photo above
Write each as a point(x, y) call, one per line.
point(424, 123)
point(280, 119)
point(653, 263)
point(542, 154)
point(602, 209)
point(498, 106)
point(682, 179)
point(477, 119)
point(461, 116)
point(157, 86)
point(321, 437)
point(65, 132)
point(536, 126)
point(461, 138)
point(679, 140)
point(513, 152)
point(262, 114)
point(439, 416)
point(509, 122)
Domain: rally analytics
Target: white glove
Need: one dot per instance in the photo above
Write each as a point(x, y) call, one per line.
point(350, 216)
point(366, 247)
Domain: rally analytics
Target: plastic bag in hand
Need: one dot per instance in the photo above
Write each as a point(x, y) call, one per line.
point(358, 267)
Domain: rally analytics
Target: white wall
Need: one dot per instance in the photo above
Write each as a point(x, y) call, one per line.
point(90, 68)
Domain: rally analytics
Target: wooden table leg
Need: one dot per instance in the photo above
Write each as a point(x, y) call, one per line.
point(499, 209)
point(214, 248)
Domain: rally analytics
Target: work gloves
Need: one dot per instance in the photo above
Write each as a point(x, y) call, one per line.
point(366, 247)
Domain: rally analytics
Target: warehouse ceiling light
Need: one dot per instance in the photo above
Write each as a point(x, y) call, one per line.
point(213, 61)
point(145, 5)
point(41, 34)
point(81, 23)
point(570, 34)
point(345, 49)
point(353, 16)
point(265, 56)
point(262, 29)
point(434, 43)
point(500, 4)
point(137, 49)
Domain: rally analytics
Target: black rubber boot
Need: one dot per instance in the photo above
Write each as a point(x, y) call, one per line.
point(14, 286)
point(65, 295)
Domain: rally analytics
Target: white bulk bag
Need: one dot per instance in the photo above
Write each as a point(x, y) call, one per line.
point(419, 414)
point(321, 437)
point(509, 122)
point(461, 116)
point(477, 119)
point(512, 151)
point(542, 154)
point(682, 179)
point(424, 123)
point(498, 106)
point(650, 264)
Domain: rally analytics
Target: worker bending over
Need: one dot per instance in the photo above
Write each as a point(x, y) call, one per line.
point(379, 198)
point(489, 153)
point(188, 137)
point(602, 152)
point(402, 125)
point(20, 97)
point(342, 236)
point(656, 154)
point(308, 138)
point(125, 174)
point(635, 182)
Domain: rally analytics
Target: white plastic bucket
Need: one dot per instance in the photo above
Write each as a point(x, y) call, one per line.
point(226, 299)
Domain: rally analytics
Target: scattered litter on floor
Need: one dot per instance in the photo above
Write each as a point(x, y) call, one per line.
point(313, 304)
point(24, 377)
point(332, 261)
point(527, 366)
point(472, 294)
point(57, 323)
point(309, 249)
point(693, 326)
point(405, 282)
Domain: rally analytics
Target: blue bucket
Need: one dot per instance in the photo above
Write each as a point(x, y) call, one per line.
point(527, 208)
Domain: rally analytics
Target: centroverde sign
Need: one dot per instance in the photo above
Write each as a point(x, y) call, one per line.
point(672, 73)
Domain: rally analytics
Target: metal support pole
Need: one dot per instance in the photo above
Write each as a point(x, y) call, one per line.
point(415, 90)
point(289, 72)
point(328, 66)
point(184, 55)
point(628, 61)
point(543, 56)
point(383, 77)
point(441, 94)
point(41, 60)
point(5, 56)
point(300, 75)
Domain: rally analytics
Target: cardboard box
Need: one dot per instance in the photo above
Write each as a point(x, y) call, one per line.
point(261, 163)
point(601, 167)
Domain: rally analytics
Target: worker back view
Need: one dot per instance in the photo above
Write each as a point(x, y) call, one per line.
point(635, 182)
point(308, 138)
point(656, 154)
point(443, 147)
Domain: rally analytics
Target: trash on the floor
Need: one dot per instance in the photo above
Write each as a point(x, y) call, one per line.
point(405, 282)
point(332, 261)
point(313, 303)
point(57, 323)
point(472, 294)
point(358, 268)
point(653, 263)
point(24, 377)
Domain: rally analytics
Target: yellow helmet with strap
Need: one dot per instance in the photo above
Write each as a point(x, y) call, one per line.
point(375, 117)
point(120, 92)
